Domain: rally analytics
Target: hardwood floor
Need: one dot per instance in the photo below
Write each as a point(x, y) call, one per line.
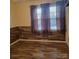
point(35, 46)
point(39, 50)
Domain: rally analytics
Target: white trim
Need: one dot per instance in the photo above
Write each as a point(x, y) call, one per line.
point(14, 42)
point(37, 41)
point(42, 40)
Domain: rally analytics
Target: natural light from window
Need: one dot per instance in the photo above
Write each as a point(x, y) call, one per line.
point(53, 26)
point(52, 10)
point(39, 18)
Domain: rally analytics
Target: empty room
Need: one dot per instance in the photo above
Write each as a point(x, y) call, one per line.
point(39, 29)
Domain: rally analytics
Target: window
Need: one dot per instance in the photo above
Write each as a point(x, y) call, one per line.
point(48, 17)
point(39, 18)
point(53, 26)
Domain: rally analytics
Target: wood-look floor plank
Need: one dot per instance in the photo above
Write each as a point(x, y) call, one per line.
point(39, 50)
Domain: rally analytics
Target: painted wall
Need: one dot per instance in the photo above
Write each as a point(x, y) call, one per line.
point(13, 22)
point(20, 11)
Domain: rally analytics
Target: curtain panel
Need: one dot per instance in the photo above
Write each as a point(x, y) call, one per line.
point(48, 18)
